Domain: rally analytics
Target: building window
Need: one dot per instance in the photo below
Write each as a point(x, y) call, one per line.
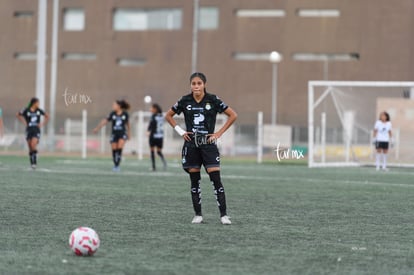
point(79, 56)
point(74, 19)
point(260, 13)
point(151, 19)
point(318, 13)
point(23, 14)
point(209, 18)
point(131, 62)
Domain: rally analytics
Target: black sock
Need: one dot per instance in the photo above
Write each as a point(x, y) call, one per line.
point(196, 192)
point(113, 156)
point(117, 155)
point(31, 157)
point(219, 192)
point(153, 160)
point(34, 157)
point(162, 158)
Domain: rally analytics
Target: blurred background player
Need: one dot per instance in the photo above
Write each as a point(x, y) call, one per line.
point(30, 117)
point(382, 135)
point(200, 110)
point(156, 134)
point(120, 130)
point(1, 124)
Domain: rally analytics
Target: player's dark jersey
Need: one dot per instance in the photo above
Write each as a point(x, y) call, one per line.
point(200, 117)
point(32, 117)
point(119, 122)
point(155, 126)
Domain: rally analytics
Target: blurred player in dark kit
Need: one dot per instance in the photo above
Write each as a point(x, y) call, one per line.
point(156, 134)
point(120, 130)
point(30, 117)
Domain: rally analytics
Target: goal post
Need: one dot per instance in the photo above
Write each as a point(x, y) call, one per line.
point(341, 118)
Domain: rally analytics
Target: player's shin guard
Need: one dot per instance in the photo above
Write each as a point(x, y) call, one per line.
point(384, 161)
point(219, 192)
point(196, 192)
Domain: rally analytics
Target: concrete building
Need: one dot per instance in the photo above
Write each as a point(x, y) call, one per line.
point(111, 49)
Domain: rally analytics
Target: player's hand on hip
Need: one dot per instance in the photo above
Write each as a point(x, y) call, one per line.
point(212, 138)
point(187, 136)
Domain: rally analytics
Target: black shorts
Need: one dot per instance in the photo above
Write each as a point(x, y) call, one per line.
point(156, 142)
point(195, 157)
point(115, 137)
point(32, 132)
point(382, 145)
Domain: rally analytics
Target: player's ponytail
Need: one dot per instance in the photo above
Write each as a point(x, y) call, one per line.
point(123, 104)
point(32, 101)
point(157, 107)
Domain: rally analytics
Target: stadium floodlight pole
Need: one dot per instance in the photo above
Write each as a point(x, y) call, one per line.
point(41, 51)
point(196, 21)
point(274, 58)
point(53, 74)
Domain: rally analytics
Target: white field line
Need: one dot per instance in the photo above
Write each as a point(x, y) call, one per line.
point(88, 171)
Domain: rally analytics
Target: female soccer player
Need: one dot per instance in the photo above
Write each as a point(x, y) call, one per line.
point(120, 130)
point(156, 134)
point(30, 117)
point(382, 135)
point(200, 110)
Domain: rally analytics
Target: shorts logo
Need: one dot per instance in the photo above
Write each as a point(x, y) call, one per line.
point(208, 106)
point(218, 159)
point(188, 107)
point(183, 160)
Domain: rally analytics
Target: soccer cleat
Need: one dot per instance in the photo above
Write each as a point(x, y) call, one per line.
point(225, 220)
point(197, 219)
point(116, 169)
point(33, 167)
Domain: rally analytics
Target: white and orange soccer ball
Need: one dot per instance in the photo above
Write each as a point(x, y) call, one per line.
point(84, 241)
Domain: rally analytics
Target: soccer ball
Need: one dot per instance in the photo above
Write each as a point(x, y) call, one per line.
point(84, 241)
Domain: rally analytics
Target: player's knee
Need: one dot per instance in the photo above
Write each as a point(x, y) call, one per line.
point(213, 169)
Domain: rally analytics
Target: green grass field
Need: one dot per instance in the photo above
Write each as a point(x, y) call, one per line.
point(287, 219)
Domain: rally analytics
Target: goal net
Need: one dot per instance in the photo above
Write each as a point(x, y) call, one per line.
point(341, 118)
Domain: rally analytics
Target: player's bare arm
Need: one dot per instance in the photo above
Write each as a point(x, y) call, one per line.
point(169, 117)
point(231, 118)
point(100, 125)
point(46, 119)
point(21, 118)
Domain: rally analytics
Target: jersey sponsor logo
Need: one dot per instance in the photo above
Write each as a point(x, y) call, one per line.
point(198, 118)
